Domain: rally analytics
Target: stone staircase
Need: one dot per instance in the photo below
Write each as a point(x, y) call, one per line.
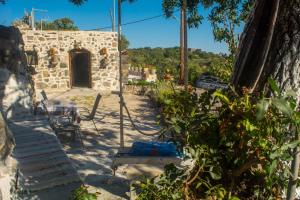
point(41, 160)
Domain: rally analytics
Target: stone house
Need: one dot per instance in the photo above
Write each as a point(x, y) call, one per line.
point(66, 59)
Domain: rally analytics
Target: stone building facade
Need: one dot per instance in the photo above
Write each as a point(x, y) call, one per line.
point(66, 59)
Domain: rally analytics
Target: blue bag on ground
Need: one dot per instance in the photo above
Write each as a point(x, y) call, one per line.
point(153, 149)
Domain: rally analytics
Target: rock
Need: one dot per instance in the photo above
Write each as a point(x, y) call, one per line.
point(63, 65)
point(46, 74)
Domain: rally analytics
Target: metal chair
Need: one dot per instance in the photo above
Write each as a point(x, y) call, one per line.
point(90, 116)
point(63, 125)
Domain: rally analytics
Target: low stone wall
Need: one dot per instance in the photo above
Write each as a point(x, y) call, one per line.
point(138, 89)
point(57, 45)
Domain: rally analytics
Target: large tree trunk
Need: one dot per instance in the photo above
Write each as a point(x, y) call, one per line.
point(270, 46)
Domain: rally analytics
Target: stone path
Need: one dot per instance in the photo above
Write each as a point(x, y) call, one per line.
point(41, 160)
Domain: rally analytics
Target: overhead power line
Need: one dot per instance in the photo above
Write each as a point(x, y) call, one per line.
point(133, 22)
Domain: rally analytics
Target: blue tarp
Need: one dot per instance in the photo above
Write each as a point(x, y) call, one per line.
point(153, 149)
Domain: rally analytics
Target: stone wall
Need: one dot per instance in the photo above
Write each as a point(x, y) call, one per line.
point(16, 94)
point(16, 88)
point(58, 75)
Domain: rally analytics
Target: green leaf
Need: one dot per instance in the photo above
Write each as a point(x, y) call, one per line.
point(234, 198)
point(291, 93)
point(282, 105)
point(177, 128)
point(293, 144)
point(274, 86)
point(222, 97)
point(261, 107)
point(214, 175)
point(274, 155)
point(249, 127)
point(273, 167)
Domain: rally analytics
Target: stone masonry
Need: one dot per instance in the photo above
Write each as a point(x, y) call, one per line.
point(56, 73)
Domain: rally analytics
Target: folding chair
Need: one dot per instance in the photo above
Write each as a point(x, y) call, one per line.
point(63, 126)
point(90, 116)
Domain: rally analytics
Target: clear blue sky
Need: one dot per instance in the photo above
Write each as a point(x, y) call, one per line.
point(159, 32)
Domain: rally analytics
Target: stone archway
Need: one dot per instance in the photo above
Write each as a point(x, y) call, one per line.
point(80, 68)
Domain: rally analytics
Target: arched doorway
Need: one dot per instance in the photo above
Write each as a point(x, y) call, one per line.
point(80, 68)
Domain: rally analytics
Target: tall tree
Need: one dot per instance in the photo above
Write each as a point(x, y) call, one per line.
point(188, 14)
point(226, 17)
point(270, 46)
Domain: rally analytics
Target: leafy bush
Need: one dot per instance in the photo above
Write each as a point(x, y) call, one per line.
point(222, 69)
point(140, 83)
point(239, 147)
point(82, 193)
point(162, 91)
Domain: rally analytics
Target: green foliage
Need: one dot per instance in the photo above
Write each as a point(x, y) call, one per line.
point(222, 69)
point(163, 91)
point(80, 2)
point(140, 83)
point(239, 145)
point(168, 58)
point(226, 17)
point(82, 193)
point(194, 19)
point(58, 24)
point(167, 186)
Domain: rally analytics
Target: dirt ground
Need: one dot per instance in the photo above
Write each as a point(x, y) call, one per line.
point(94, 160)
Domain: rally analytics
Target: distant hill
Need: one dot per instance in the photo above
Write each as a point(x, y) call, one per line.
point(168, 58)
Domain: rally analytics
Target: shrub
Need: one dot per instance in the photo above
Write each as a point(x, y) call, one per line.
point(239, 145)
point(222, 69)
point(82, 193)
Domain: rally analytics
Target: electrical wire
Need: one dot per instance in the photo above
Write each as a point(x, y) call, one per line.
point(133, 22)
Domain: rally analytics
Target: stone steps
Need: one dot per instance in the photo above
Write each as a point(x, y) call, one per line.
point(40, 148)
point(42, 162)
point(33, 153)
point(56, 169)
point(49, 183)
point(30, 139)
point(43, 166)
point(41, 159)
point(28, 144)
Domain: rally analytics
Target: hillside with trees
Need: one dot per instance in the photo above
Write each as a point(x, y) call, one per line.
point(164, 59)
